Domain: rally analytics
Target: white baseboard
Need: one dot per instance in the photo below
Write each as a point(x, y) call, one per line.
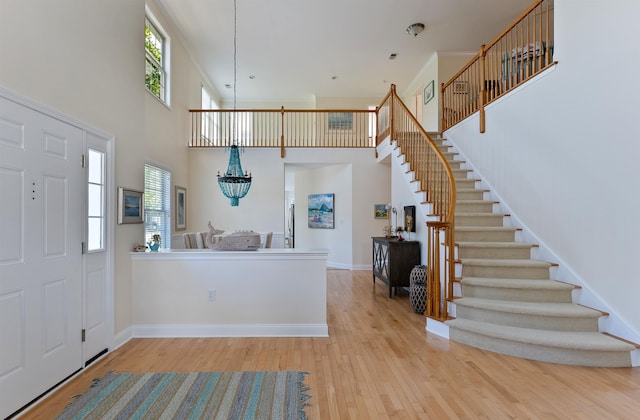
point(230, 330)
point(121, 338)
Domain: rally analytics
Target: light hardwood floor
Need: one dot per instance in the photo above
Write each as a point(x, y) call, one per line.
point(380, 363)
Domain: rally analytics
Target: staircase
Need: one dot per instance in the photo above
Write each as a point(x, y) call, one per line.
point(508, 303)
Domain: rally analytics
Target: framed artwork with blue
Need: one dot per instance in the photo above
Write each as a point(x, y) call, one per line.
point(320, 211)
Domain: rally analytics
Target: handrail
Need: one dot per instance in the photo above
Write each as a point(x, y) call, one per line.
point(436, 178)
point(519, 52)
point(283, 128)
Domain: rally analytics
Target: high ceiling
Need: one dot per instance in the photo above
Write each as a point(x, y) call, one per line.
point(298, 50)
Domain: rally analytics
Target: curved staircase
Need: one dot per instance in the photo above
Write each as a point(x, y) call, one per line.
point(508, 301)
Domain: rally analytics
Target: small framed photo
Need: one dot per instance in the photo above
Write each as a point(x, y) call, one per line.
point(130, 206)
point(181, 208)
point(380, 211)
point(428, 93)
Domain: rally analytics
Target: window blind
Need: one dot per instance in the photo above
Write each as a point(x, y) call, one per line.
point(157, 204)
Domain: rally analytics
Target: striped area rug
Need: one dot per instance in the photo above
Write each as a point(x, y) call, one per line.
point(196, 395)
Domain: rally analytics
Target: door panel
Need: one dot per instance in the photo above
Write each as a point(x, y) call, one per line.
point(40, 259)
point(95, 290)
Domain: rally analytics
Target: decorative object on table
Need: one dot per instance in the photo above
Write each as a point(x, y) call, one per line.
point(181, 208)
point(236, 241)
point(320, 211)
point(154, 244)
point(255, 394)
point(381, 211)
point(139, 248)
point(235, 183)
point(418, 289)
point(428, 93)
point(130, 206)
point(399, 231)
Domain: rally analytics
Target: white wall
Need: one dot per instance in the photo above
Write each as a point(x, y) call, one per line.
point(561, 153)
point(85, 59)
point(352, 174)
point(78, 58)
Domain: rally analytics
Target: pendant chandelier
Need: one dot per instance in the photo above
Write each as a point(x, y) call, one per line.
point(235, 183)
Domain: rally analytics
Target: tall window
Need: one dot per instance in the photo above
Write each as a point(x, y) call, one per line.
point(157, 205)
point(210, 120)
point(96, 201)
point(156, 46)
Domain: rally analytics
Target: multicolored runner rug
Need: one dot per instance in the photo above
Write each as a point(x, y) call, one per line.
point(196, 395)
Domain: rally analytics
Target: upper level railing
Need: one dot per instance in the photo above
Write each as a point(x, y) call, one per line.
point(436, 179)
point(521, 51)
point(283, 128)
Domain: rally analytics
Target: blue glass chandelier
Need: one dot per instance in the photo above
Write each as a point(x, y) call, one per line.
point(235, 183)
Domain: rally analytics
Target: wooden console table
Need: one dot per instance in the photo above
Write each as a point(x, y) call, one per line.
point(393, 261)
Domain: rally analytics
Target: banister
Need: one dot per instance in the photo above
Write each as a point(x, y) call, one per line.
point(520, 51)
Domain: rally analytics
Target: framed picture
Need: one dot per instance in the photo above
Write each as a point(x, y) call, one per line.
point(409, 218)
point(428, 93)
point(380, 211)
point(340, 120)
point(320, 211)
point(460, 87)
point(181, 208)
point(130, 206)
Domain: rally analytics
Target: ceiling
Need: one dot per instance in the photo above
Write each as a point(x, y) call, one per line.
point(300, 50)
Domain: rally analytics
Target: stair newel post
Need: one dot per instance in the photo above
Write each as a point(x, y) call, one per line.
point(392, 133)
point(282, 131)
point(443, 120)
point(483, 86)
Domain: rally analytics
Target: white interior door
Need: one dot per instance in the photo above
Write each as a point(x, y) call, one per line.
point(41, 220)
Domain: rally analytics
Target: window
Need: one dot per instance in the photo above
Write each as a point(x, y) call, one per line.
point(157, 205)
point(373, 126)
point(210, 120)
point(96, 201)
point(156, 45)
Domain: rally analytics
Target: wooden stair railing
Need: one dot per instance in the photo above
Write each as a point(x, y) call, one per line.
point(521, 51)
point(436, 179)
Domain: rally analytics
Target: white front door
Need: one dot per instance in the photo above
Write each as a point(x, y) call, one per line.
point(41, 224)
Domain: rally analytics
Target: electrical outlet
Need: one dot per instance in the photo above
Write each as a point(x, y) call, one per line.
point(212, 294)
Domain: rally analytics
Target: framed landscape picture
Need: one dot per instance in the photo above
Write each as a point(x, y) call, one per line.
point(428, 93)
point(320, 213)
point(130, 206)
point(181, 208)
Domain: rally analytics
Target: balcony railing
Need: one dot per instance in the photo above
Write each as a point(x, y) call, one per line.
point(283, 128)
point(517, 54)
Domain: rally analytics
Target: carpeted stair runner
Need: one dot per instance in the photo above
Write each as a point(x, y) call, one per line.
point(508, 302)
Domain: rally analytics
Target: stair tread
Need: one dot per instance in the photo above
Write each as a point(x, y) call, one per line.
point(538, 284)
point(530, 308)
point(504, 262)
point(479, 214)
point(594, 341)
point(484, 228)
point(494, 245)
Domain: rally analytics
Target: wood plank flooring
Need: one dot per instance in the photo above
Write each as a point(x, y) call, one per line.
point(379, 363)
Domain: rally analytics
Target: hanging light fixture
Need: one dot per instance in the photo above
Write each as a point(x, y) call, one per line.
point(235, 183)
